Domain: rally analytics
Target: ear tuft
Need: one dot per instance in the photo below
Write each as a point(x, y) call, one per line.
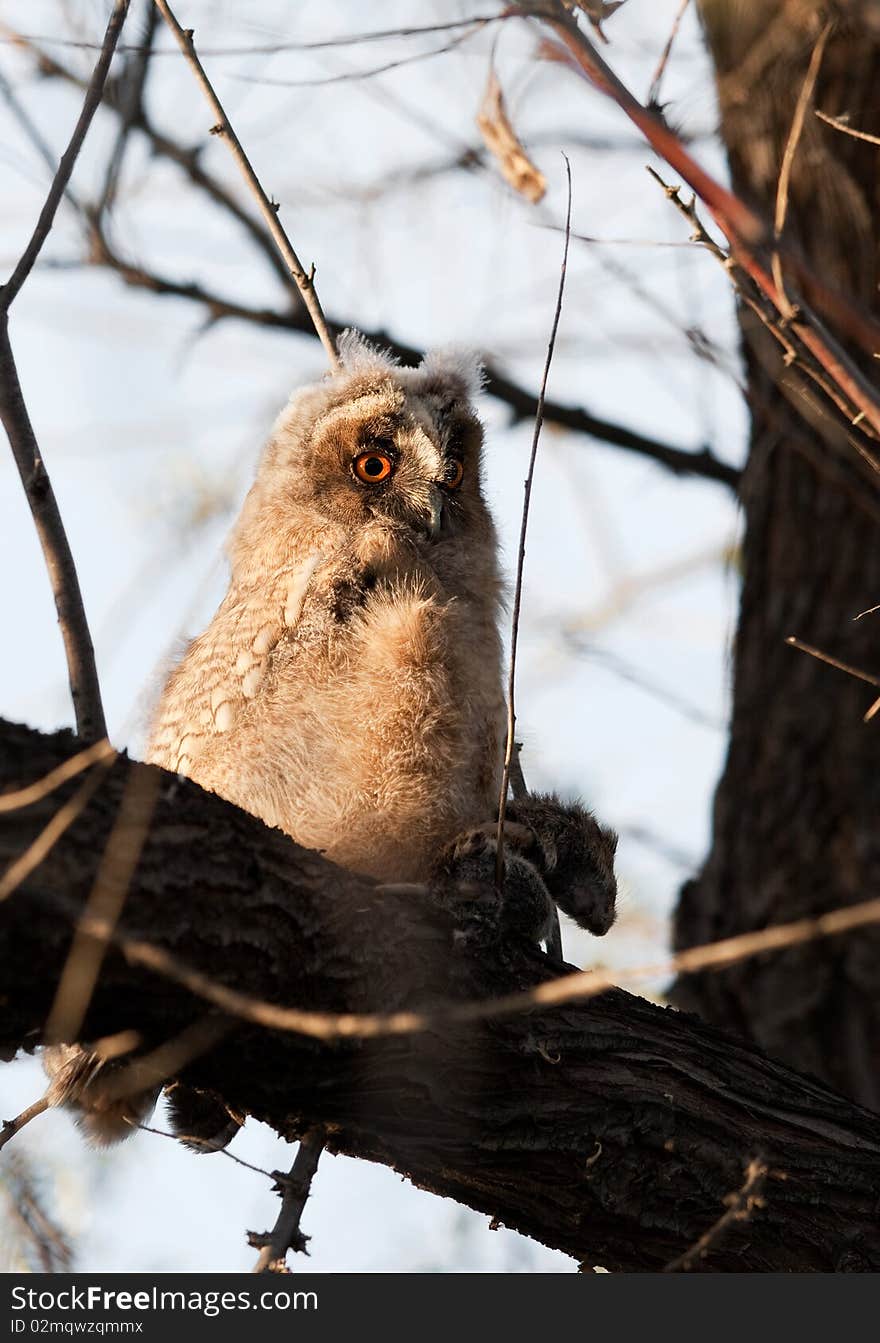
point(359, 356)
point(459, 369)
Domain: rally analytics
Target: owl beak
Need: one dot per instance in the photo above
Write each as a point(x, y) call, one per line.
point(434, 514)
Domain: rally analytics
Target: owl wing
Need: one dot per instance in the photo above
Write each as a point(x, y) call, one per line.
point(223, 668)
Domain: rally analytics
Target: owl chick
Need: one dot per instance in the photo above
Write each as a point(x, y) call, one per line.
point(349, 687)
point(348, 690)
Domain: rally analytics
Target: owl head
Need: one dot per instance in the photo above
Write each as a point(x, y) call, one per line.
point(379, 443)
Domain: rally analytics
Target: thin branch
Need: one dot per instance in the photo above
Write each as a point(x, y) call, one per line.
point(794, 136)
point(523, 403)
point(82, 672)
point(48, 1244)
point(840, 125)
point(105, 902)
point(521, 557)
point(785, 331)
point(347, 76)
point(130, 95)
point(832, 662)
point(295, 1188)
point(24, 797)
point(273, 48)
point(740, 1207)
point(94, 95)
point(268, 209)
point(81, 669)
point(745, 230)
point(39, 849)
point(191, 1140)
point(653, 98)
point(10, 1127)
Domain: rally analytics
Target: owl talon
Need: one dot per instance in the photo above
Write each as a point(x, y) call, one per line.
point(465, 879)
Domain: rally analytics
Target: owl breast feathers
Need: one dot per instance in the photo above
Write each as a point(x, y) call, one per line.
point(348, 689)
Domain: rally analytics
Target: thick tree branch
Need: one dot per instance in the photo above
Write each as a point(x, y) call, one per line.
point(612, 1130)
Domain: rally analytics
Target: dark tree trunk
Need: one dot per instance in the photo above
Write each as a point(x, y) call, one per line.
point(611, 1129)
point(796, 812)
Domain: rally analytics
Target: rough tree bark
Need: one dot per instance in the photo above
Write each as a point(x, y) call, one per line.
point(796, 812)
point(611, 1130)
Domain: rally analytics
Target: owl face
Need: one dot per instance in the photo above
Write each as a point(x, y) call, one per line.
point(406, 457)
point(378, 445)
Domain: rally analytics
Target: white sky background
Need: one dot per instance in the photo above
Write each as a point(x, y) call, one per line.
point(150, 426)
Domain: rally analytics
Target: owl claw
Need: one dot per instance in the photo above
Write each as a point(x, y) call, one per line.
point(465, 876)
point(553, 851)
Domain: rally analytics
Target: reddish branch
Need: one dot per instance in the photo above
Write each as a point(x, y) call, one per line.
point(746, 231)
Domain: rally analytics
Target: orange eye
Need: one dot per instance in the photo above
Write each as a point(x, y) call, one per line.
point(454, 476)
point(372, 467)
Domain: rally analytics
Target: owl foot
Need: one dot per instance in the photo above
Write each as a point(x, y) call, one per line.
point(553, 852)
point(465, 879)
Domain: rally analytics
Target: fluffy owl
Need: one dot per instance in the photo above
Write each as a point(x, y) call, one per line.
point(349, 687)
point(348, 690)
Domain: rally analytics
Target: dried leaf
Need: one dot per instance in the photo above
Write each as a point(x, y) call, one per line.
point(502, 141)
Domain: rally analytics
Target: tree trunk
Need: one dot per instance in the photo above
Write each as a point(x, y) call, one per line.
point(796, 811)
point(611, 1129)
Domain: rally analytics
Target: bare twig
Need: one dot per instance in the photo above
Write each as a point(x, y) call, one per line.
point(274, 48)
point(745, 230)
point(94, 95)
point(193, 1141)
point(49, 836)
point(521, 557)
point(148, 1071)
point(105, 902)
point(522, 403)
point(874, 709)
point(797, 125)
point(833, 662)
point(130, 93)
point(24, 797)
point(44, 1241)
point(785, 331)
point(840, 125)
point(322, 81)
point(294, 1188)
point(653, 98)
point(740, 1206)
point(82, 672)
point(268, 209)
point(10, 1127)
